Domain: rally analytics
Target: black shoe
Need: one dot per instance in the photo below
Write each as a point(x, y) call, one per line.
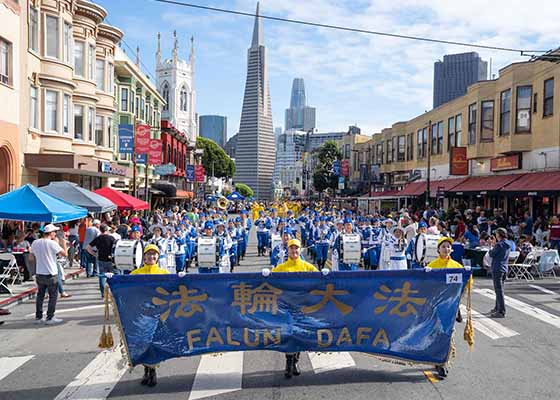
point(295, 368)
point(152, 379)
point(459, 317)
point(497, 315)
point(442, 371)
point(289, 364)
point(146, 376)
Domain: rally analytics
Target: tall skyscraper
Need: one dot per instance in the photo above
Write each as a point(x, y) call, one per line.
point(299, 115)
point(455, 73)
point(255, 153)
point(213, 127)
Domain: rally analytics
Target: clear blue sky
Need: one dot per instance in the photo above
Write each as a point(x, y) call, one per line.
point(350, 78)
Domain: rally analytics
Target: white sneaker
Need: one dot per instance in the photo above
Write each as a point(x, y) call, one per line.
point(53, 321)
point(39, 321)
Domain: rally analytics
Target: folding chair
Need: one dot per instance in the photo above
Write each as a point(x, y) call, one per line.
point(523, 270)
point(547, 262)
point(10, 271)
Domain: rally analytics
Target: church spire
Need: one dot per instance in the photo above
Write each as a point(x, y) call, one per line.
point(258, 39)
point(175, 47)
point(191, 56)
point(158, 51)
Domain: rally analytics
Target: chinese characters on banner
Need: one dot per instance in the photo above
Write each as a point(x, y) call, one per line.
point(154, 152)
point(142, 139)
point(199, 173)
point(403, 314)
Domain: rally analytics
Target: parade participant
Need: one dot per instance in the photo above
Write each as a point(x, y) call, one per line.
point(395, 247)
point(242, 237)
point(181, 253)
point(168, 250)
point(234, 251)
point(294, 264)
point(373, 252)
point(500, 256)
point(280, 253)
point(410, 249)
point(321, 239)
point(157, 237)
point(226, 244)
point(365, 234)
point(263, 233)
point(135, 233)
point(338, 249)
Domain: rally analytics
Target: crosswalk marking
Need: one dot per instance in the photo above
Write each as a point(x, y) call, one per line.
point(10, 364)
point(323, 362)
point(544, 290)
point(525, 308)
point(66, 310)
point(217, 374)
point(489, 327)
point(97, 379)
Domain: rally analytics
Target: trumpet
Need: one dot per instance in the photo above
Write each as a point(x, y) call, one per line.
point(222, 203)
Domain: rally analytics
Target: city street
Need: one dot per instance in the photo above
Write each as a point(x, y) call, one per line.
point(513, 358)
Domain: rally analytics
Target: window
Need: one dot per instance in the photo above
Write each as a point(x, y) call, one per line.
point(165, 95)
point(535, 100)
point(382, 153)
point(137, 111)
point(99, 140)
point(379, 154)
point(389, 151)
point(78, 122)
point(91, 63)
point(424, 142)
point(472, 123)
point(183, 99)
point(52, 36)
point(33, 28)
point(395, 149)
point(142, 109)
point(401, 148)
point(91, 118)
point(523, 109)
point(100, 74)
point(505, 112)
point(111, 73)
point(168, 153)
point(440, 137)
point(110, 132)
point(347, 151)
point(419, 144)
point(548, 98)
point(458, 120)
point(410, 147)
point(5, 62)
point(433, 139)
point(124, 99)
point(66, 114)
point(51, 110)
point(34, 108)
point(79, 48)
point(487, 121)
point(451, 133)
point(67, 42)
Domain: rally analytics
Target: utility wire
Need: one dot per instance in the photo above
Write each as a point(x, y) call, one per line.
point(348, 29)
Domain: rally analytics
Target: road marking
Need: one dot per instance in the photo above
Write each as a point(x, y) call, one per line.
point(217, 374)
point(323, 362)
point(97, 379)
point(65, 310)
point(431, 377)
point(544, 290)
point(488, 326)
point(10, 364)
point(525, 308)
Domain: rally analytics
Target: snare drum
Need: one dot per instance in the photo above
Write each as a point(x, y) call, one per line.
point(129, 254)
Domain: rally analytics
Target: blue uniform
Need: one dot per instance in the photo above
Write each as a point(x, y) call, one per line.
point(321, 239)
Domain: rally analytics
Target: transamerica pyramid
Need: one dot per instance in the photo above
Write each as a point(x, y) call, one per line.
point(256, 151)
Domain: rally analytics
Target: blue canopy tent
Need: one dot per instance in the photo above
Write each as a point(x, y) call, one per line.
point(236, 196)
point(31, 204)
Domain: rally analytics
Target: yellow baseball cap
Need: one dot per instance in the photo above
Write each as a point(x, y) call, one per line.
point(444, 239)
point(151, 247)
point(294, 242)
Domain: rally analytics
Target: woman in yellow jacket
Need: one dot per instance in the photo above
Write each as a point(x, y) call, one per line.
point(294, 264)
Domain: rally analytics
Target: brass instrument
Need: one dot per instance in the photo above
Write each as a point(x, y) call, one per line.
point(222, 203)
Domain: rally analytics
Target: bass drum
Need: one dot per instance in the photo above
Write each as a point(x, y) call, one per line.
point(425, 249)
point(128, 254)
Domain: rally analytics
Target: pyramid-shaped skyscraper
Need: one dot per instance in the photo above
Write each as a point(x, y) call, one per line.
point(255, 150)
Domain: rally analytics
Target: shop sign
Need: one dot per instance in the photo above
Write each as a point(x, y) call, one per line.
point(119, 184)
point(165, 169)
point(484, 192)
point(126, 139)
point(505, 163)
point(400, 179)
point(154, 152)
point(459, 193)
point(141, 159)
point(113, 169)
point(532, 194)
point(190, 173)
point(142, 139)
point(458, 163)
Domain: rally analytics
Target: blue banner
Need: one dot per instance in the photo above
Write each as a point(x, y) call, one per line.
point(141, 159)
point(402, 314)
point(336, 168)
point(190, 173)
point(126, 139)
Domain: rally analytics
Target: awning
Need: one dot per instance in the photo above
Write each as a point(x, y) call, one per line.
point(122, 200)
point(183, 194)
point(413, 189)
point(444, 185)
point(74, 194)
point(535, 182)
point(479, 184)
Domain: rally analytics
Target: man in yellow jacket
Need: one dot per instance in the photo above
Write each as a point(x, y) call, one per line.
point(294, 264)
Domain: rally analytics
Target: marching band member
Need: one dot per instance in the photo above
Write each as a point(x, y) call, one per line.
point(234, 251)
point(181, 253)
point(365, 234)
point(208, 232)
point(321, 239)
point(373, 252)
point(410, 250)
point(169, 249)
point(338, 247)
point(242, 238)
point(395, 246)
point(226, 244)
point(280, 253)
point(263, 236)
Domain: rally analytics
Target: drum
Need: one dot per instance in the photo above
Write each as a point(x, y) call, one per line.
point(206, 252)
point(128, 254)
point(425, 250)
point(351, 248)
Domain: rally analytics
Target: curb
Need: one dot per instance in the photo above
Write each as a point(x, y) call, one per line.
point(30, 293)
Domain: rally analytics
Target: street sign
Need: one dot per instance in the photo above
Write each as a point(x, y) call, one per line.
point(126, 139)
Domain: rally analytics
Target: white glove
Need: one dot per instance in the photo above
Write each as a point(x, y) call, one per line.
point(467, 267)
point(325, 271)
point(181, 274)
point(427, 269)
point(108, 275)
point(265, 272)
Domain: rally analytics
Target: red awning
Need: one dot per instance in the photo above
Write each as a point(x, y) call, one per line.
point(413, 189)
point(491, 183)
point(445, 185)
point(123, 200)
point(183, 194)
point(535, 182)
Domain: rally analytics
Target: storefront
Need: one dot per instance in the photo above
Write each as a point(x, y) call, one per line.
point(481, 191)
point(538, 193)
point(9, 157)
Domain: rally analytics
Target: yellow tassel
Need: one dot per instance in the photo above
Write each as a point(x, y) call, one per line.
point(106, 339)
point(110, 341)
point(468, 334)
point(103, 339)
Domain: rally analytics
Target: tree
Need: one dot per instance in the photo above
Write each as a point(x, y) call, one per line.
point(244, 190)
point(215, 159)
point(323, 174)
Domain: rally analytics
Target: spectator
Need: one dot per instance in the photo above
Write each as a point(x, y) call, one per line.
point(460, 229)
point(525, 247)
point(45, 251)
point(527, 225)
point(500, 257)
point(91, 233)
point(104, 243)
point(472, 236)
point(555, 233)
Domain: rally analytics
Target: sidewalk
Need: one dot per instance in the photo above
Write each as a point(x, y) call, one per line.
point(28, 289)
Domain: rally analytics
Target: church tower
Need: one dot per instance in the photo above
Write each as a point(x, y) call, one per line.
point(175, 82)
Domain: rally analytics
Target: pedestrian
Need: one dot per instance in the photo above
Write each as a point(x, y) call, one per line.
point(45, 251)
point(89, 261)
point(294, 264)
point(500, 257)
point(104, 243)
point(555, 233)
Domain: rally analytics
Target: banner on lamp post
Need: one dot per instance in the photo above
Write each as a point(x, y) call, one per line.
point(199, 173)
point(154, 152)
point(126, 139)
point(141, 159)
point(142, 139)
point(190, 173)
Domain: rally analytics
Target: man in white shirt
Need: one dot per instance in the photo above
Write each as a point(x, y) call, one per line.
point(45, 251)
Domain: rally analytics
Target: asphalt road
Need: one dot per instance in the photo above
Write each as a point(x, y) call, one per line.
point(514, 358)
